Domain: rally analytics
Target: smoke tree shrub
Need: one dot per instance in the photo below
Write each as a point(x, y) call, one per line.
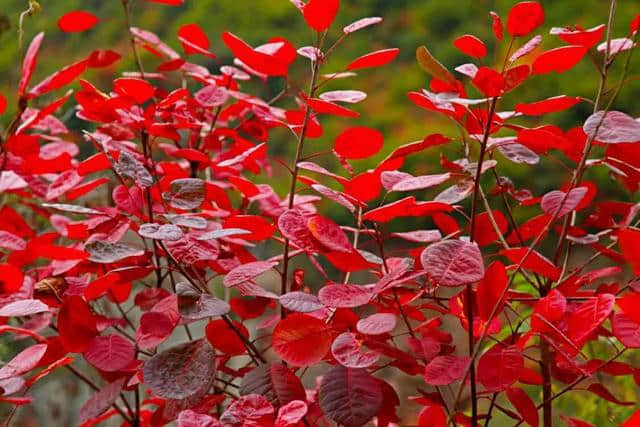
point(162, 299)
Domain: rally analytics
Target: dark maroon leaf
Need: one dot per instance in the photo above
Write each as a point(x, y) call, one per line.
point(350, 397)
point(181, 371)
point(276, 382)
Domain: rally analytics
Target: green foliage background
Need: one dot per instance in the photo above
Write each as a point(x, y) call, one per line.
point(407, 24)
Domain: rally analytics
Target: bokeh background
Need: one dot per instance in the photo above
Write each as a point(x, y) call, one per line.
point(407, 24)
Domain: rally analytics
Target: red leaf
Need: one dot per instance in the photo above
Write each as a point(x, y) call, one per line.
point(633, 420)
point(413, 183)
point(626, 330)
point(433, 416)
point(321, 106)
point(168, 2)
point(137, 89)
point(405, 207)
point(344, 295)
point(301, 340)
point(301, 302)
point(629, 305)
point(350, 397)
point(246, 272)
point(587, 38)
point(258, 61)
point(88, 187)
point(534, 262)
point(549, 105)
point(154, 328)
point(558, 203)
point(549, 309)
point(29, 63)
point(95, 163)
point(601, 391)
point(181, 371)
point(490, 291)
point(496, 25)
point(222, 337)
point(629, 242)
point(444, 370)
point(101, 401)
point(23, 362)
point(76, 324)
point(59, 79)
point(358, 143)
point(364, 187)
point(291, 413)
point(613, 128)
point(560, 59)
point(453, 263)
point(348, 350)
point(328, 234)
point(377, 324)
point(102, 58)
point(374, 59)
point(320, 14)
point(484, 232)
point(348, 96)
point(293, 226)
point(3, 104)
point(542, 139)
point(276, 382)
point(524, 405)
point(471, 45)
point(589, 316)
point(489, 82)
point(524, 17)
point(11, 279)
point(500, 367)
point(259, 228)
point(77, 21)
point(25, 307)
point(194, 40)
point(361, 23)
point(110, 353)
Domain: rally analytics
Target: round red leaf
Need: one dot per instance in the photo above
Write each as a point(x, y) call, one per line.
point(329, 234)
point(358, 143)
point(320, 14)
point(524, 17)
point(453, 262)
point(77, 21)
point(301, 340)
point(110, 353)
point(500, 367)
point(376, 324)
point(222, 337)
point(11, 279)
point(471, 45)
